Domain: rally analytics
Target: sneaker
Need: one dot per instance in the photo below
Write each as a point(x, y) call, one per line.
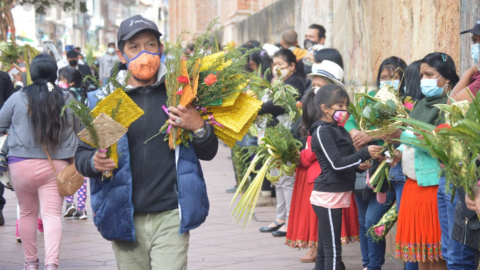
point(80, 214)
point(69, 210)
point(31, 265)
point(17, 234)
point(2, 219)
point(51, 266)
point(40, 225)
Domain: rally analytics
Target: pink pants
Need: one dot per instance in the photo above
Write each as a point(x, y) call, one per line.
point(35, 184)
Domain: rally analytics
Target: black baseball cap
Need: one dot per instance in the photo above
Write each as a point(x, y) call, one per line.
point(72, 54)
point(475, 30)
point(133, 25)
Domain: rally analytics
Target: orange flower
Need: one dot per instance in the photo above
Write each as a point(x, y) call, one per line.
point(210, 79)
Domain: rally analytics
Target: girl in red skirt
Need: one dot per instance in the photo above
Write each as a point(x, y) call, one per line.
point(303, 229)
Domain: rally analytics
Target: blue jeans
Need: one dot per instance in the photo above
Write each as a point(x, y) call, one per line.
point(398, 186)
point(457, 255)
point(369, 213)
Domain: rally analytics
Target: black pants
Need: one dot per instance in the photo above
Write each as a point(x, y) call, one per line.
point(329, 250)
point(2, 199)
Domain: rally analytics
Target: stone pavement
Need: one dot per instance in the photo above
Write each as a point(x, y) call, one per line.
point(217, 244)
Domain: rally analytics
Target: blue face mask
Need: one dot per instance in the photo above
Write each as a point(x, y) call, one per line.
point(475, 51)
point(395, 83)
point(429, 87)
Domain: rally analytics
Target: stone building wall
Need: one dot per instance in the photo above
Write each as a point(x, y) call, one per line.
point(366, 32)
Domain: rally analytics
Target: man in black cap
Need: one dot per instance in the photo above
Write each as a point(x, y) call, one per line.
point(157, 194)
point(470, 81)
point(72, 58)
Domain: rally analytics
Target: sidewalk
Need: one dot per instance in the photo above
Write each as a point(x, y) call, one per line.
point(217, 244)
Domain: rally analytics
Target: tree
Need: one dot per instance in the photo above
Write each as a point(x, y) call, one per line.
point(40, 6)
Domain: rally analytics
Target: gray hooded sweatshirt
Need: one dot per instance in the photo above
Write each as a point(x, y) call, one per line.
point(14, 116)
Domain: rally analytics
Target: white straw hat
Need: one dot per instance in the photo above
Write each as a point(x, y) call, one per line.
point(270, 49)
point(329, 70)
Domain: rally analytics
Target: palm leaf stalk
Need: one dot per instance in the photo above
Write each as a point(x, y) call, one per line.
point(278, 151)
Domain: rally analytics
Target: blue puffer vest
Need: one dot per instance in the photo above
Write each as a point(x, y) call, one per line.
point(111, 199)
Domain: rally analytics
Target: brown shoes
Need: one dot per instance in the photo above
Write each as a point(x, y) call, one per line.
point(310, 257)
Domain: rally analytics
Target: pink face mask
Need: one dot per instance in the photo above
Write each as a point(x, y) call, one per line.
point(63, 85)
point(340, 116)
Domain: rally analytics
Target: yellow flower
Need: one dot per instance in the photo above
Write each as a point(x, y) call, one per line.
point(210, 60)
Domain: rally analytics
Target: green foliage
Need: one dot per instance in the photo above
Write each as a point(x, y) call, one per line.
point(83, 113)
point(281, 94)
point(9, 54)
point(456, 146)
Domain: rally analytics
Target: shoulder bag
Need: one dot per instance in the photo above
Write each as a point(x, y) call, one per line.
point(69, 180)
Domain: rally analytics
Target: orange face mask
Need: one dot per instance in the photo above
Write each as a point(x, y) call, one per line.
point(144, 66)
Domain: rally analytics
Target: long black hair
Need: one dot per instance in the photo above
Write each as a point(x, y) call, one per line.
point(73, 75)
point(288, 56)
point(264, 61)
point(393, 64)
point(327, 95)
point(444, 64)
point(412, 81)
point(45, 106)
point(329, 54)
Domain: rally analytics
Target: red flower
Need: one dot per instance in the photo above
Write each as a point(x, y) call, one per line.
point(442, 126)
point(298, 104)
point(379, 230)
point(210, 79)
point(182, 80)
point(180, 91)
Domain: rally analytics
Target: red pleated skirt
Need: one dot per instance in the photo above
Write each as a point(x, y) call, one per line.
point(418, 227)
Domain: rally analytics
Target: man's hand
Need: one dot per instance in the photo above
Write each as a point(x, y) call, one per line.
point(190, 119)
point(102, 163)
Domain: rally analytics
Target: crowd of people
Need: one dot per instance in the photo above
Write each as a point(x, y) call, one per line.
point(327, 203)
point(323, 206)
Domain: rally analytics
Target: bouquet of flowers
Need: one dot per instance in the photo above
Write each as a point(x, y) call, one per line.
point(107, 122)
point(213, 85)
point(279, 152)
point(456, 144)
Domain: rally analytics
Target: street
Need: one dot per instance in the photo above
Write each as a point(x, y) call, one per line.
point(217, 244)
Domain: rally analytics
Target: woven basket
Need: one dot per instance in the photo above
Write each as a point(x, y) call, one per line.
point(128, 111)
point(108, 131)
point(237, 116)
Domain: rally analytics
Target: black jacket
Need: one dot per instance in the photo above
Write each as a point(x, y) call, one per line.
point(338, 158)
point(85, 70)
point(153, 165)
point(6, 87)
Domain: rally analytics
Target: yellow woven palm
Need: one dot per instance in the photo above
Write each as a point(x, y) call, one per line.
point(235, 117)
point(225, 138)
point(128, 111)
point(230, 101)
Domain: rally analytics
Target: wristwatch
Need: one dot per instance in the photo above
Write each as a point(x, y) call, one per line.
point(200, 133)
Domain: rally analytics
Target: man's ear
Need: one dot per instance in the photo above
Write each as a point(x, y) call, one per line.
point(161, 48)
point(121, 57)
point(322, 41)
